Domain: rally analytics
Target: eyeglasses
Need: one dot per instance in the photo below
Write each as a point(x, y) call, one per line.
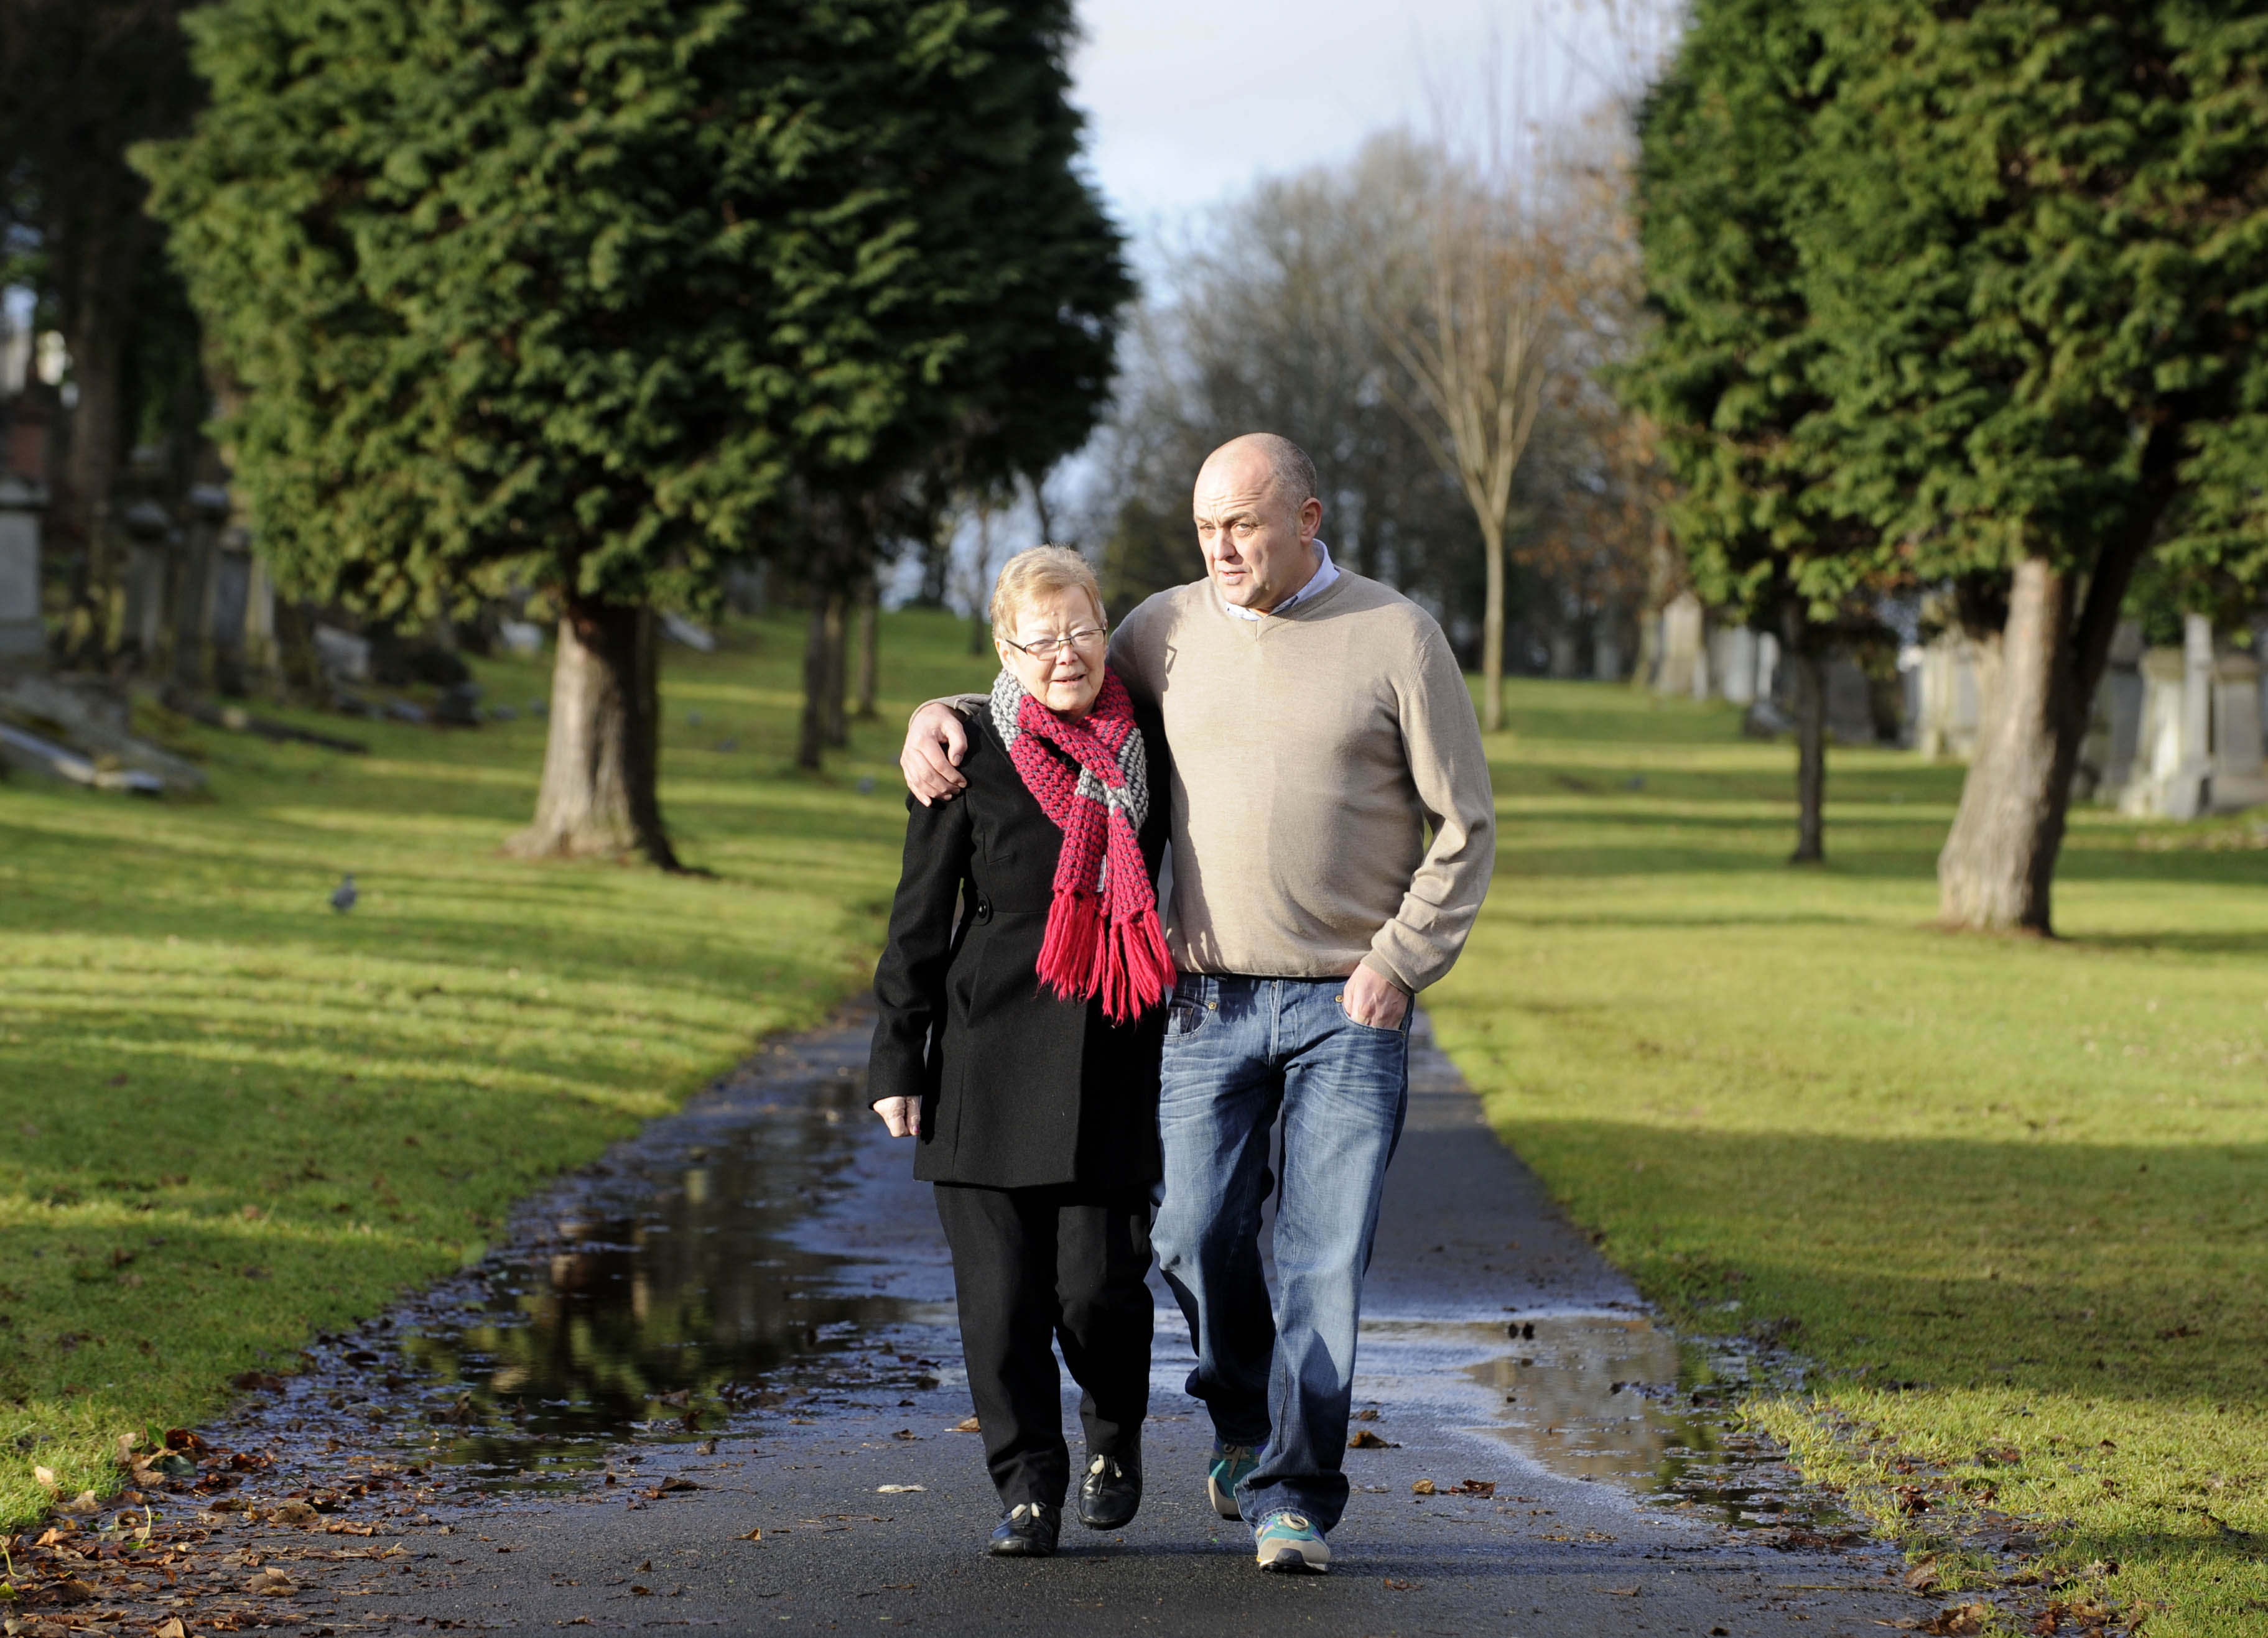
point(1047, 648)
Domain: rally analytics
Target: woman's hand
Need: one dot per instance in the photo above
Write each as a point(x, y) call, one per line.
point(901, 1115)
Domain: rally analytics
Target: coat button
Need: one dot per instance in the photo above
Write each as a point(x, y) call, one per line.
point(984, 908)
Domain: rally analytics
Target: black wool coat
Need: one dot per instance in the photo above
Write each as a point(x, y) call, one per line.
point(1018, 1088)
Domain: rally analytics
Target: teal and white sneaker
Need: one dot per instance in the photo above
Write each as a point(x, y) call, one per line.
point(1231, 1464)
point(1289, 1544)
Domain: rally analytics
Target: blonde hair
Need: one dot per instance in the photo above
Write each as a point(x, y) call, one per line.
point(1040, 572)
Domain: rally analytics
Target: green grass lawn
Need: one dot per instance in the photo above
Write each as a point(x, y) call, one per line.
point(2009, 1195)
point(229, 1117)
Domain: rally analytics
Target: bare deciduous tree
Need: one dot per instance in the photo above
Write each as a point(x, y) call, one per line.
point(1476, 344)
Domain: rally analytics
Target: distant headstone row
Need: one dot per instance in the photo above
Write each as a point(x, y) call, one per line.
point(2176, 732)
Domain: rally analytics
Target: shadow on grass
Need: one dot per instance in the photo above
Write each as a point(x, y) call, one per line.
point(1948, 1260)
point(2096, 1305)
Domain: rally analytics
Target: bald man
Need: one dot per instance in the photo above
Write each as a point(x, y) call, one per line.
point(1333, 832)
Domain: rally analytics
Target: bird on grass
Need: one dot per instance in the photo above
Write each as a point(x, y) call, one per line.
point(343, 895)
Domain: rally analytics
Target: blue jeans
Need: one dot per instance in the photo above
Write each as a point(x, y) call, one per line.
point(1239, 1052)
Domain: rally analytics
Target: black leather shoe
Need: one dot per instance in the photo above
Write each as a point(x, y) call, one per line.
point(1111, 1493)
point(1027, 1531)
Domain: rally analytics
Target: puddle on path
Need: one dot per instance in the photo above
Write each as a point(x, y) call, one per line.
point(1607, 1397)
point(666, 1294)
point(699, 1281)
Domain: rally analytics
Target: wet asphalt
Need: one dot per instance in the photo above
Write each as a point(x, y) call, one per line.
point(843, 1497)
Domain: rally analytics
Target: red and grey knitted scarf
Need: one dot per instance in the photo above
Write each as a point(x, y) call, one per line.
point(1103, 937)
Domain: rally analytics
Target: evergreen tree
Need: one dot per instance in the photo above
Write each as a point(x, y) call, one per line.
point(589, 296)
point(2038, 287)
point(1977, 306)
point(1727, 371)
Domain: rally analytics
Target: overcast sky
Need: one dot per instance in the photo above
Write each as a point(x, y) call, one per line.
point(1190, 101)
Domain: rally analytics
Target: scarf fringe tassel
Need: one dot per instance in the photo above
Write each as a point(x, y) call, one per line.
point(1123, 963)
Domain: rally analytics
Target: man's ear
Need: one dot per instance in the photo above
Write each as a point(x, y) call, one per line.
point(1311, 518)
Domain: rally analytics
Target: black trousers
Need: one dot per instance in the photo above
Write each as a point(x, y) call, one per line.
point(1034, 1265)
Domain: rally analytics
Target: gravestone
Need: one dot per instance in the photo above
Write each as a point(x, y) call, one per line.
point(232, 590)
point(2196, 697)
point(2239, 780)
point(2171, 769)
point(193, 571)
point(1733, 655)
point(2114, 729)
point(1950, 708)
point(1850, 703)
point(147, 532)
point(1684, 667)
point(1606, 649)
point(345, 657)
point(23, 636)
point(747, 586)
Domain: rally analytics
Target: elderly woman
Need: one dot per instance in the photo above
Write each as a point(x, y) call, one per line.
point(1022, 997)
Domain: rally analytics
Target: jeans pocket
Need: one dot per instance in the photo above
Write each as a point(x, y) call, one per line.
point(1339, 1001)
point(1184, 1017)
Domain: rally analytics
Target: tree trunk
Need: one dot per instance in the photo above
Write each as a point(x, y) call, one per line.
point(599, 759)
point(97, 323)
point(980, 623)
point(869, 599)
point(1810, 702)
point(1997, 865)
point(937, 564)
point(837, 720)
point(1493, 630)
point(811, 735)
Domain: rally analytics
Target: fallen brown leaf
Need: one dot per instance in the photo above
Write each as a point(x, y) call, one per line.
point(73, 1591)
point(1923, 1576)
point(1622, 1592)
point(1475, 1487)
point(1424, 1486)
point(968, 1424)
point(172, 1627)
point(1956, 1621)
point(291, 1513)
point(1366, 1440)
point(753, 1535)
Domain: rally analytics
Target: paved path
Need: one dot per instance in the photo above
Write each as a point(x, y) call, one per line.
point(1469, 1237)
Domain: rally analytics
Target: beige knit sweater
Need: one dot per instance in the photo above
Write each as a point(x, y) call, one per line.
point(1312, 751)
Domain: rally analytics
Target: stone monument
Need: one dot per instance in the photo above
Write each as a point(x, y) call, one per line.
point(23, 635)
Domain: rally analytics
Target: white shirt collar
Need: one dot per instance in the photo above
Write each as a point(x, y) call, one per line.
point(1326, 571)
